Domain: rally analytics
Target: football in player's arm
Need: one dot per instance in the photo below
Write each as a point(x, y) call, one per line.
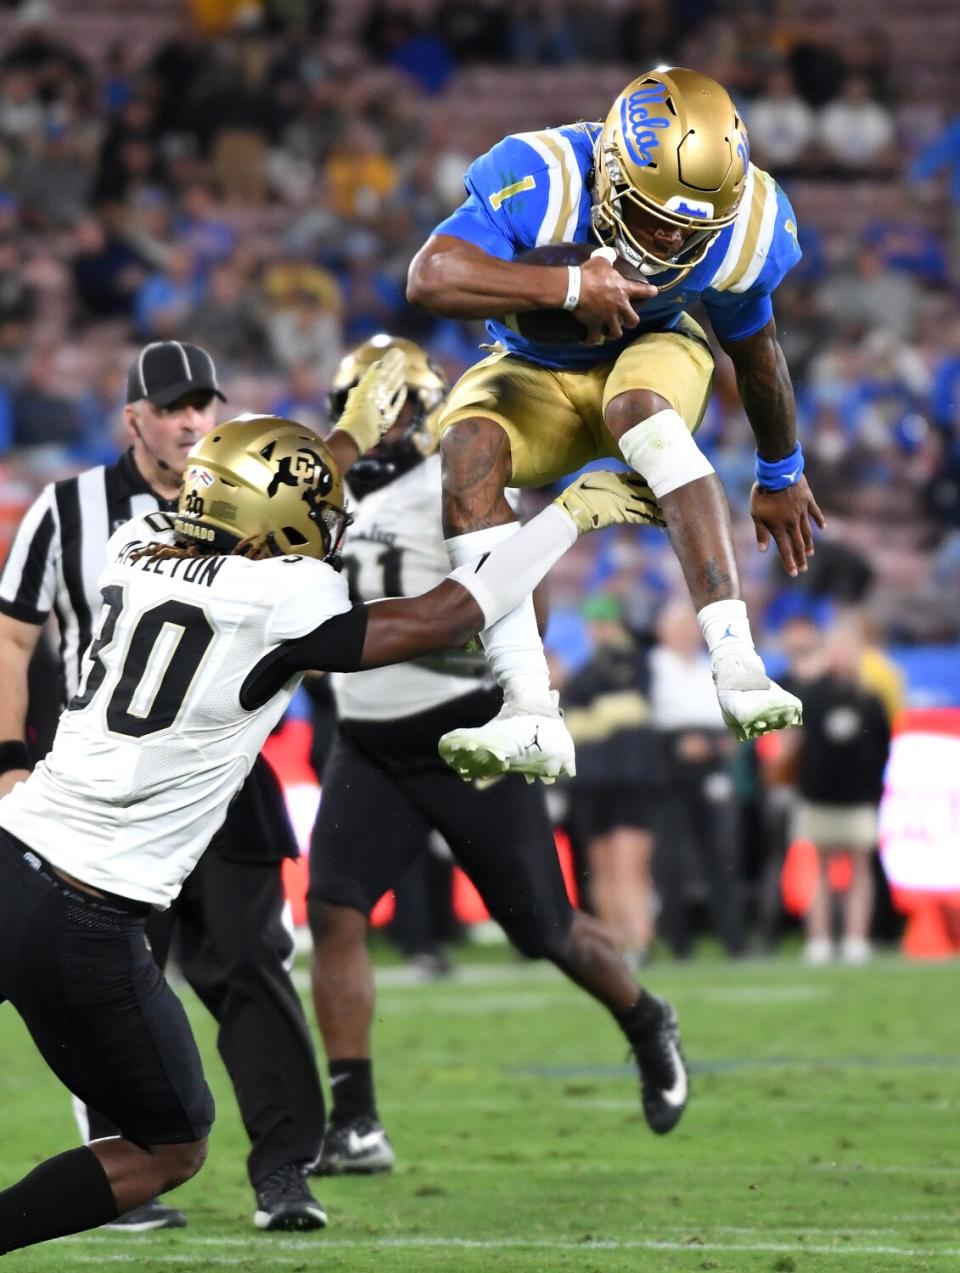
point(209, 619)
point(666, 185)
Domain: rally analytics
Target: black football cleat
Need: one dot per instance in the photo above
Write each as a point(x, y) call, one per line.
point(358, 1147)
point(285, 1203)
point(663, 1071)
point(151, 1215)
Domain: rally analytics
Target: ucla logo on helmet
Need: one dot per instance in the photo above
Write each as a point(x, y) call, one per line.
point(743, 150)
point(638, 125)
point(690, 207)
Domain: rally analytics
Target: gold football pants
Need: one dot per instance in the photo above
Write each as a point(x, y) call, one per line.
point(554, 419)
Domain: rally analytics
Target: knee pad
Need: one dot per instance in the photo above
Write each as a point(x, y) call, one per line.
point(663, 450)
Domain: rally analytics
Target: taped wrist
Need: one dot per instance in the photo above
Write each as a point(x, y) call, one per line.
point(663, 450)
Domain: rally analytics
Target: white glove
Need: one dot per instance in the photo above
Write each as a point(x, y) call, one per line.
point(601, 498)
point(374, 402)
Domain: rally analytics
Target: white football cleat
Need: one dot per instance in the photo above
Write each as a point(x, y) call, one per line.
point(750, 702)
point(516, 742)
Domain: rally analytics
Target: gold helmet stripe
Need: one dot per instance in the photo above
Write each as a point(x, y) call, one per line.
point(566, 185)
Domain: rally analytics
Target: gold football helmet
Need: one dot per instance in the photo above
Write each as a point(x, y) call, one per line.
point(266, 483)
point(426, 385)
point(425, 380)
point(674, 146)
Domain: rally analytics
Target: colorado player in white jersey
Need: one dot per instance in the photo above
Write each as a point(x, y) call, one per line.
point(210, 617)
point(666, 186)
point(228, 922)
point(385, 788)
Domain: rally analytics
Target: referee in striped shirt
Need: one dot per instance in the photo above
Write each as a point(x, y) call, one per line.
point(233, 943)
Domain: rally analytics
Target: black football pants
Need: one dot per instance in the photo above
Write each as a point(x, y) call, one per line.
point(232, 947)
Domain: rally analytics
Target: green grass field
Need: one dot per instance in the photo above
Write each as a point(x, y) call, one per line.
point(822, 1133)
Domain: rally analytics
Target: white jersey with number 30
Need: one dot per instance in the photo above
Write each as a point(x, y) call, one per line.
point(165, 726)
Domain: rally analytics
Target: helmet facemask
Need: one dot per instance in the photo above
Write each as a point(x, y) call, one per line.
point(611, 229)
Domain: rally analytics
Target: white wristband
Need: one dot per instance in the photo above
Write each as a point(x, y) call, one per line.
point(573, 287)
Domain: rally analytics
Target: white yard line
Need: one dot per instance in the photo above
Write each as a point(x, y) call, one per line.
point(276, 1247)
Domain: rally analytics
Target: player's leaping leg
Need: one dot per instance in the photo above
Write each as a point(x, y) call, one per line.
point(528, 735)
point(657, 443)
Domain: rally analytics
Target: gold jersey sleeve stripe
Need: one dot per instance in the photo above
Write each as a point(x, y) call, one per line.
point(563, 154)
point(559, 197)
point(762, 191)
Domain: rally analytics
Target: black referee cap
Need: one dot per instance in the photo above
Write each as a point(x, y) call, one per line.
point(168, 369)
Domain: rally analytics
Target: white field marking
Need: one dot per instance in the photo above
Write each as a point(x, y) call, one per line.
point(278, 1246)
point(514, 982)
point(749, 1230)
point(915, 1217)
point(889, 1169)
point(672, 979)
point(404, 978)
point(472, 1004)
point(723, 1098)
point(588, 1166)
point(769, 994)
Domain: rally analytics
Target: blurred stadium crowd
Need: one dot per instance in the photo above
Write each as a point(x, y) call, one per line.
point(255, 178)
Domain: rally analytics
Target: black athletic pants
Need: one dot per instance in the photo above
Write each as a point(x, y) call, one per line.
point(232, 946)
point(699, 824)
point(385, 788)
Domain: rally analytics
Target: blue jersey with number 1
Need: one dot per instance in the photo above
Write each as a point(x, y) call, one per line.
point(535, 188)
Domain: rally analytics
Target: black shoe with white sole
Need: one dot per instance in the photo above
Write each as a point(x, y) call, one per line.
point(663, 1071)
point(151, 1215)
point(358, 1147)
point(285, 1202)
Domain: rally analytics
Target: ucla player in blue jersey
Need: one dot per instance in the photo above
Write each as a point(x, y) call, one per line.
point(664, 185)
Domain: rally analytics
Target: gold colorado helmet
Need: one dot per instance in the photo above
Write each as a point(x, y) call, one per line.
point(265, 483)
point(426, 388)
point(674, 146)
point(425, 381)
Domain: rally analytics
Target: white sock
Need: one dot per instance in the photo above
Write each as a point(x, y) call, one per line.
point(725, 626)
point(512, 644)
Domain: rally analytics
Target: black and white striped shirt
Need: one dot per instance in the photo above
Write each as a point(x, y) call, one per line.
point(59, 553)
